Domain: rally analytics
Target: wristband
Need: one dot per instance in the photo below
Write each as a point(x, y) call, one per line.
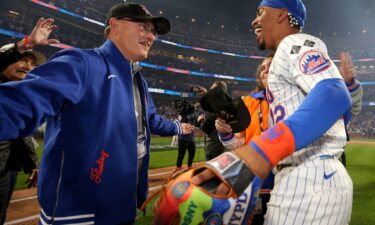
point(27, 43)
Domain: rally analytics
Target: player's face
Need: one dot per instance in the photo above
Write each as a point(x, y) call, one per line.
point(19, 69)
point(264, 68)
point(135, 38)
point(264, 25)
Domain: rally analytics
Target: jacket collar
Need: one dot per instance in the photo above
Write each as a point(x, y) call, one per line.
point(112, 53)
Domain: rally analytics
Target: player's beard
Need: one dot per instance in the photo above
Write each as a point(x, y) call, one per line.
point(262, 46)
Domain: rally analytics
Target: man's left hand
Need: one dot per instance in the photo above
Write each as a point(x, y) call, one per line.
point(32, 179)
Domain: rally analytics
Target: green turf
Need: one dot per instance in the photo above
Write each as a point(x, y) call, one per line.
point(168, 158)
point(361, 167)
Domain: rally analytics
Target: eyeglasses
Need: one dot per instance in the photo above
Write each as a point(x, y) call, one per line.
point(145, 27)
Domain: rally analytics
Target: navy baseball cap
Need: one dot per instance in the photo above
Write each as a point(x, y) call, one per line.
point(295, 7)
point(138, 12)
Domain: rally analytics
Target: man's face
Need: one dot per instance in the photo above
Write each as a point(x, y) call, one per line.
point(264, 68)
point(19, 69)
point(264, 26)
point(134, 39)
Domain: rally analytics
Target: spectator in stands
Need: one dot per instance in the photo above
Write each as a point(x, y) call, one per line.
point(355, 88)
point(100, 117)
point(16, 60)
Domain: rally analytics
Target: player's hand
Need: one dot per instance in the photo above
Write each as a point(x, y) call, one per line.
point(207, 175)
point(32, 179)
point(41, 32)
point(346, 67)
point(187, 128)
point(202, 91)
point(222, 126)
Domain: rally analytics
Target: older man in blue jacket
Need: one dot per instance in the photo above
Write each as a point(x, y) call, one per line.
point(99, 117)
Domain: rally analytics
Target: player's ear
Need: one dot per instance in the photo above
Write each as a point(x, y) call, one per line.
point(283, 15)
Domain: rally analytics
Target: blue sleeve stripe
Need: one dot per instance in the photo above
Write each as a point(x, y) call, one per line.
point(255, 146)
point(178, 125)
point(323, 106)
point(225, 137)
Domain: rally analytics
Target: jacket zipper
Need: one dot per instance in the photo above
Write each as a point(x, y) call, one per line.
point(58, 187)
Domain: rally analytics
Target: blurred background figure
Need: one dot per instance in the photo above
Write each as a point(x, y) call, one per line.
point(347, 71)
point(187, 114)
point(212, 145)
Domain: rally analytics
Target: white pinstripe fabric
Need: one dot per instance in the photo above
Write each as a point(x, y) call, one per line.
point(303, 196)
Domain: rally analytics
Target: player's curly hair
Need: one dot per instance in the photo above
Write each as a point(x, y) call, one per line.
point(294, 22)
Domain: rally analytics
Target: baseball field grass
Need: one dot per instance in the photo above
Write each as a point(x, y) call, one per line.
point(360, 164)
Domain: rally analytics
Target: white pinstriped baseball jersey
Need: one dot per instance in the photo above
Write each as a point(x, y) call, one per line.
point(290, 80)
point(317, 188)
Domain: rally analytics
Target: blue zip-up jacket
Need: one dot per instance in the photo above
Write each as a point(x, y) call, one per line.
point(88, 170)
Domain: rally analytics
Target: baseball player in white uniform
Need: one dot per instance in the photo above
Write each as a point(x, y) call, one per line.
point(309, 103)
point(311, 185)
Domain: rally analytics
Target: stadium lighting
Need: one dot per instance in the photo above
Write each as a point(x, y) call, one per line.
point(14, 13)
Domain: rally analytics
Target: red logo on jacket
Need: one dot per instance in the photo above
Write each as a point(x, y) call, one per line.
point(96, 173)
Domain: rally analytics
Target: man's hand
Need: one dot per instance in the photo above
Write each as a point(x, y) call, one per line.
point(222, 126)
point(201, 118)
point(32, 179)
point(187, 128)
point(202, 91)
point(346, 67)
point(41, 32)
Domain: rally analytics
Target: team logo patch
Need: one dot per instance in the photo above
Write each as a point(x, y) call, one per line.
point(313, 62)
point(180, 189)
point(295, 49)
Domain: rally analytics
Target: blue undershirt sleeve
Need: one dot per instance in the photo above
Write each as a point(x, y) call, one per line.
point(327, 102)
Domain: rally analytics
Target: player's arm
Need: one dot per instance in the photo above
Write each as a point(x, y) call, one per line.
point(322, 107)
